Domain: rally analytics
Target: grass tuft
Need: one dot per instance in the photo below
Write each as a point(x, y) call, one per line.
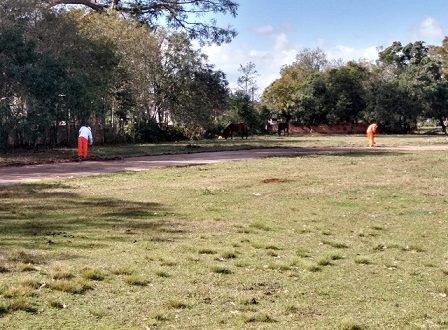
point(303, 253)
point(168, 263)
point(350, 325)
point(444, 290)
point(162, 273)
point(207, 251)
point(336, 244)
point(249, 301)
point(122, 271)
point(176, 304)
point(76, 286)
point(313, 268)
point(25, 257)
point(363, 260)
point(60, 274)
point(229, 255)
point(55, 303)
point(17, 291)
point(136, 280)
point(21, 304)
point(291, 309)
point(260, 226)
point(92, 274)
point(27, 268)
point(161, 317)
point(30, 283)
point(221, 270)
point(279, 267)
point(326, 259)
point(258, 318)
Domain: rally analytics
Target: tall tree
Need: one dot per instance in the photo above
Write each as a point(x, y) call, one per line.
point(247, 82)
point(418, 80)
point(291, 96)
point(346, 92)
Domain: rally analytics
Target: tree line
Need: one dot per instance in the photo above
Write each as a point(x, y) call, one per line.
point(129, 68)
point(407, 84)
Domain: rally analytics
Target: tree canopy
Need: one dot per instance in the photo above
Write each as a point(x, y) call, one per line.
point(406, 84)
point(193, 17)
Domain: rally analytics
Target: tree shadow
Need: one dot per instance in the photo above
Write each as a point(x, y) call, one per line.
point(51, 216)
point(345, 154)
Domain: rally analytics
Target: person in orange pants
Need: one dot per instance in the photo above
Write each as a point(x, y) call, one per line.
point(85, 138)
point(371, 131)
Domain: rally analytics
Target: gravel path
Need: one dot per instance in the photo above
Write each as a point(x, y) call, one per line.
point(32, 173)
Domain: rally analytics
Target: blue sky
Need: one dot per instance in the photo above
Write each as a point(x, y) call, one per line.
point(272, 32)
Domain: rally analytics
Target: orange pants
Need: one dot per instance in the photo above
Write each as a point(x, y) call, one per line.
point(371, 138)
point(83, 144)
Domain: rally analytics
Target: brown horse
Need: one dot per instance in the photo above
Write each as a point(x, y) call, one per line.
point(283, 127)
point(240, 128)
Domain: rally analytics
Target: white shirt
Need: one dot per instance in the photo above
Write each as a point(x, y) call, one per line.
point(86, 133)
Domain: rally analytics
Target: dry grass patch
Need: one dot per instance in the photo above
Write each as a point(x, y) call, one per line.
point(336, 244)
point(27, 267)
point(58, 273)
point(229, 255)
point(258, 318)
point(122, 271)
point(177, 304)
point(26, 257)
point(362, 260)
point(350, 325)
point(92, 274)
point(221, 270)
point(75, 286)
point(55, 303)
point(137, 280)
point(207, 251)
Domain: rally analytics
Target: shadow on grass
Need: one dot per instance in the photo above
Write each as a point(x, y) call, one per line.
point(348, 154)
point(51, 215)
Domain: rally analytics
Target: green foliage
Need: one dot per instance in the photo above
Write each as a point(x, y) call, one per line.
point(242, 109)
point(406, 84)
point(63, 68)
point(178, 15)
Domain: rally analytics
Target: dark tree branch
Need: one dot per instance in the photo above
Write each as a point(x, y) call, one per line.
point(181, 15)
point(88, 3)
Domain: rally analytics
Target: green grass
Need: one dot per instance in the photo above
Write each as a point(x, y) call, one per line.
point(346, 242)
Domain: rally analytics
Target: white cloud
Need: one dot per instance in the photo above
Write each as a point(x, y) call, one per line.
point(264, 29)
point(429, 30)
point(347, 53)
point(281, 42)
point(270, 58)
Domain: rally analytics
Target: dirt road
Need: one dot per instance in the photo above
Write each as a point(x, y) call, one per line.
point(32, 173)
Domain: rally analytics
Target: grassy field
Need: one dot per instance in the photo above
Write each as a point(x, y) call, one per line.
point(99, 152)
point(353, 241)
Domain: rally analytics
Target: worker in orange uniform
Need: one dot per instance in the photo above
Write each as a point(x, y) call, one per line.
point(371, 131)
point(85, 138)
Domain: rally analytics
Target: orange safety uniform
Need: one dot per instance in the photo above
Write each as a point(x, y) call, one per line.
point(84, 139)
point(371, 131)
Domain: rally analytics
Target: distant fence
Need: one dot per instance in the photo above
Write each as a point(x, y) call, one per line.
point(324, 129)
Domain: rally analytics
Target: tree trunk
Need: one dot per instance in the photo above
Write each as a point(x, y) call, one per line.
point(443, 124)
